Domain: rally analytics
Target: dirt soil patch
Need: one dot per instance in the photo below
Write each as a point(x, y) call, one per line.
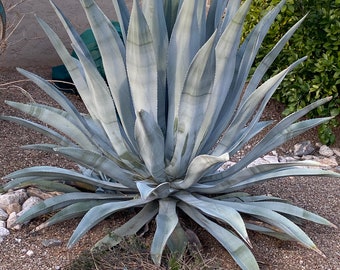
point(319, 195)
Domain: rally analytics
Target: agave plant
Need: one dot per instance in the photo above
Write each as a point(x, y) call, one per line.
point(178, 103)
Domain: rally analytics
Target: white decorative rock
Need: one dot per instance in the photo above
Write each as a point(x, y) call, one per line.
point(13, 208)
point(10, 200)
point(303, 148)
point(2, 224)
point(271, 159)
point(30, 202)
point(30, 253)
point(258, 161)
point(11, 221)
point(337, 151)
point(327, 161)
point(326, 151)
point(4, 232)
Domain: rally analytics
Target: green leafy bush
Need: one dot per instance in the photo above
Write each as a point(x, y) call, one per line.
point(176, 106)
point(318, 39)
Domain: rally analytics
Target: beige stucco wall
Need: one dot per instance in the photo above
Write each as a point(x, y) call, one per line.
point(29, 46)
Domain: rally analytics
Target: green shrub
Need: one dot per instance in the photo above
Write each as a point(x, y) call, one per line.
point(317, 38)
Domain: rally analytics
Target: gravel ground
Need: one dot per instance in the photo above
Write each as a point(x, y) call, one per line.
point(320, 195)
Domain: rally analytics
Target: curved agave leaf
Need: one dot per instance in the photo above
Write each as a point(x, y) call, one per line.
point(293, 211)
point(47, 147)
point(269, 59)
point(72, 33)
point(56, 173)
point(228, 14)
point(103, 103)
point(61, 201)
point(73, 67)
point(141, 64)
point(166, 222)
point(154, 14)
point(272, 218)
point(279, 134)
point(150, 142)
point(73, 113)
point(62, 140)
point(225, 57)
point(237, 249)
point(171, 9)
point(245, 57)
point(44, 183)
point(256, 102)
point(99, 213)
point(123, 16)
point(112, 52)
point(56, 120)
point(217, 211)
point(214, 17)
point(59, 97)
point(183, 47)
point(194, 100)
point(72, 211)
point(197, 168)
point(286, 172)
point(178, 241)
point(100, 163)
point(278, 139)
point(160, 191)
point(273, 232)
point(246, 197)
point(254, 175)
point(252, 44)
point(131, 227)
point(251, 133)
point(96, 135)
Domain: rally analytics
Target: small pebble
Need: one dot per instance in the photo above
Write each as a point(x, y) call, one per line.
point(12, 218)
point(30, 253)
point(326, 151)
point(4, 232)
point(18, 240)
point(336, 151)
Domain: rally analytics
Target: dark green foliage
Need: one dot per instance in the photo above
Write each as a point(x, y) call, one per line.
point(317, 38)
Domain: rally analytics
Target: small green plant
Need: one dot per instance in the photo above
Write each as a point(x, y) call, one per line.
point(176, 105)
point(317, 38)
